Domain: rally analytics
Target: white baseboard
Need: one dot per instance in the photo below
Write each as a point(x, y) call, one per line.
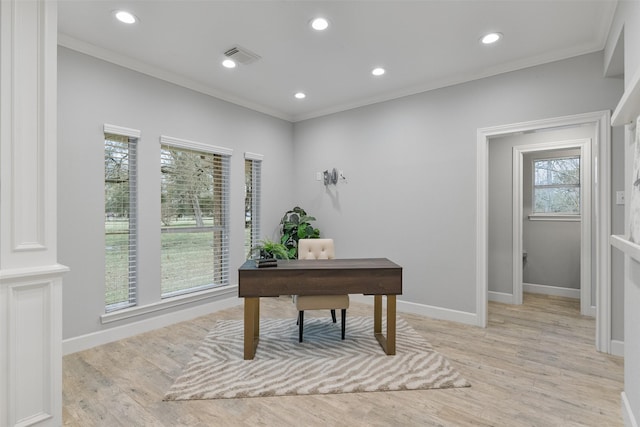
point(105, 336)
point(627, 414)
point(617, 348)
point(500, 297)
point(551, 290)
point(426, 310)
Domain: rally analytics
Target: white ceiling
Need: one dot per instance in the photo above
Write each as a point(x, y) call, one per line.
point(423, 44)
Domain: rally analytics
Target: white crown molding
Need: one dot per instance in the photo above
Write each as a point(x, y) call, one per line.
point(154, 71)
point(456, 79)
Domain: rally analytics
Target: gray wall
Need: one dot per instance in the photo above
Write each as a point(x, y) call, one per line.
point(93, 92)
point(411, 169)
point(553, 247)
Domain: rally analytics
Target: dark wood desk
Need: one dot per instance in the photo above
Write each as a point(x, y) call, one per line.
point(368, 276)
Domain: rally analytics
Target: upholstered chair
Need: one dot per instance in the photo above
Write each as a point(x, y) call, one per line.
point(319, 249)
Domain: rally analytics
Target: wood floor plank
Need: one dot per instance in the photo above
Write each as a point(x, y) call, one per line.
point(534, 365)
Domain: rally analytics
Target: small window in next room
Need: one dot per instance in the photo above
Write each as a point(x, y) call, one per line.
point(556, 186)
point(120, 217)
point(252, 182)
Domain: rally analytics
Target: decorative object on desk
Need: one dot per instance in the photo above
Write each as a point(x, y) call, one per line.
point(266, 262)
point(267, 249)
point(634, 202)
point(358, 364)
point(296, 225)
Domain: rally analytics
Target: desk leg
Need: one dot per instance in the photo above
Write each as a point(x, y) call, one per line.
point(391, 324)
point(251, 326)
point(387, 343)
point(377, 314)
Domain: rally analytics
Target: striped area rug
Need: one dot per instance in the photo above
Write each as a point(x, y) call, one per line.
point(323, 363)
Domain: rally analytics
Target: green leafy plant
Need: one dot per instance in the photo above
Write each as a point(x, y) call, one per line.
point(267, 248)
point(296, 225)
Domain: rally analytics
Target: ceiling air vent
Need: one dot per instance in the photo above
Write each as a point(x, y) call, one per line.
point(241, 55)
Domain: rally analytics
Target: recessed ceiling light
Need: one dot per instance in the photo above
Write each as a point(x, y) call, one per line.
point(490, 38)
point(378, 71)
point(125, 17)
point(319, 24)
point(300, 95)
point(229, 63)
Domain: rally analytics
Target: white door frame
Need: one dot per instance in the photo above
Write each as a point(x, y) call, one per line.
point(601, 152)
point(584, 144)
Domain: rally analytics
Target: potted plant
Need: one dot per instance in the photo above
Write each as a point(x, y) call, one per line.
point(296, 225)
point(269, 250)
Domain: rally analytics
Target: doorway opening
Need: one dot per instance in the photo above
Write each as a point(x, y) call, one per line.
point(600, 180)
point(566, 230)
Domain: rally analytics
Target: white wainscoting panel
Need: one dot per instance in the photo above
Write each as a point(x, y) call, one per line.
point(32, 336)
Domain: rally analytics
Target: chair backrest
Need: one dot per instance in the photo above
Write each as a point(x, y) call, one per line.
point(316, 249)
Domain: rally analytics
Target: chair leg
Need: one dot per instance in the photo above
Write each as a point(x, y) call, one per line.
point(343, 316)
point(333, 315)
point(300, 323)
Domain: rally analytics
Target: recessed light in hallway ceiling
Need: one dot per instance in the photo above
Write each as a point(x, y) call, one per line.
point(490, 38)
point(319, 24)
point(125, 17)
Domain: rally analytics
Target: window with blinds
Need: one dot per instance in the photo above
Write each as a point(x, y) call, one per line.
point(194, 217)
point(120, 219)
point(252, 180)
point(556, 186)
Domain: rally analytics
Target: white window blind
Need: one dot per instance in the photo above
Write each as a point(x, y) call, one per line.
point(253, 179)
point(556, 186)
point(194, 216)
point(121, 217)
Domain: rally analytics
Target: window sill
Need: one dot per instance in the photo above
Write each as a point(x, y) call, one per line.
point(167, 303)
point(570, 218)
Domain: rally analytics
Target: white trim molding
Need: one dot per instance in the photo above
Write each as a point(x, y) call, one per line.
point(557, 291)
point(116, 333)
point(617, 348)
point(502, 297)
point(425, 310)
point(253, 156)
point(165, 304)
point(627, 413)
point(601, 153)
point(195, 146)
point(119, 130)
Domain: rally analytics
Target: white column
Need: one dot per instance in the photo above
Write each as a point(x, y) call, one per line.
point(30, 277)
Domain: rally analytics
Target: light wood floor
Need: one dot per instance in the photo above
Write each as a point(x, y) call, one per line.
point(534, 365)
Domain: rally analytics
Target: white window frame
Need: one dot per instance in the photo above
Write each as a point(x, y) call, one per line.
point(185, 144)
point(134, 138)
point(256, 185)
point(551, 216)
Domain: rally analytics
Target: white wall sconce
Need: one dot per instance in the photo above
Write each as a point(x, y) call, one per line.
point(330, 177)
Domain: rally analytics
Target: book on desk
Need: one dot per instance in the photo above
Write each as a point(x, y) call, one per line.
point(266, 262)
